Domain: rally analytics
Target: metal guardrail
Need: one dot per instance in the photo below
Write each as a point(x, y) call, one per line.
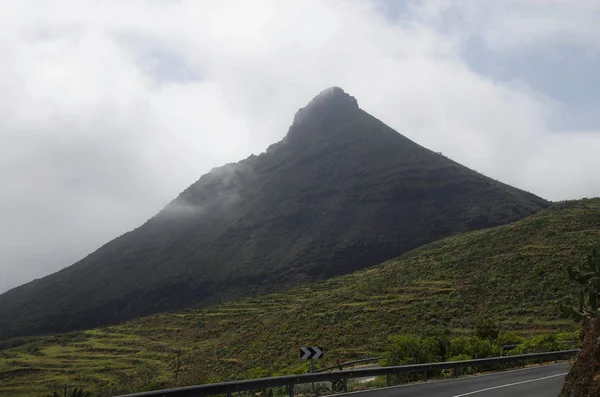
point(371, 359)
point(342, 365)
point(564, 342)
point(291, 380)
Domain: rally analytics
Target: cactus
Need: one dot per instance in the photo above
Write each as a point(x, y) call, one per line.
point(588, 277)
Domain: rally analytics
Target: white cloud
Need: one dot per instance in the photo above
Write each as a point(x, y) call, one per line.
point(109, 109)
point(515, 23)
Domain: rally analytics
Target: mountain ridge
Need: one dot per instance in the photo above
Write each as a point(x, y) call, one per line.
point(340, 192)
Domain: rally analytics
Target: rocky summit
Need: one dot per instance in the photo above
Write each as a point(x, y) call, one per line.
point(342, 191)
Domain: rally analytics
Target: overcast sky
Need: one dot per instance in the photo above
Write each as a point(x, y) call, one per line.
point(108, 109)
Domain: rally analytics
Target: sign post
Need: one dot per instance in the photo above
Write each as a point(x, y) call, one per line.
point(310, 353)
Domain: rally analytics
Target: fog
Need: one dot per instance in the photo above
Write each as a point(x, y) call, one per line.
point(108, 110)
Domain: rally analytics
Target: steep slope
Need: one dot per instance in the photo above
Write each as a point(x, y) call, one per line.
point(340, 192)
point(512, 274)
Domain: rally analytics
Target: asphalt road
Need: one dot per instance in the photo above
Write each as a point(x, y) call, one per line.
point(542, 381)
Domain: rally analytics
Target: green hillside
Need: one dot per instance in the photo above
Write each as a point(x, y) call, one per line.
point(342, 191)
point(512, 274)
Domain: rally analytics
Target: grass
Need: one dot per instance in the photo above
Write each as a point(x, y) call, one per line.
point(513, 274)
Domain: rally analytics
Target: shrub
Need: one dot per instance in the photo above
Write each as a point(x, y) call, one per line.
point(464, 370)
point(35, 350)
point(486, 329)
point(257, 372)
point(460, 357)
point(474, 347)
point(509, 338)
point(540, 343)
point(443, 336)
point(408, 349)
point(568, 336)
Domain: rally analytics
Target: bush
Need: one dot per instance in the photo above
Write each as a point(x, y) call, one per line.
point(486, 329)
point(460, 357)
point(257, 372)
point(35, 350)
point(568, 337)
point(474, 347)
point(538, 344)
point(509, 338)
point(464, 370)
point(408, 349)
point(443, 336)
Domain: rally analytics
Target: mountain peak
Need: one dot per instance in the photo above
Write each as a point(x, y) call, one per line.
point(334, 95)
point(330, 100)
point(341, 192)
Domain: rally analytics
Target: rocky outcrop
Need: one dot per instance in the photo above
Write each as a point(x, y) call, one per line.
point(583, 379)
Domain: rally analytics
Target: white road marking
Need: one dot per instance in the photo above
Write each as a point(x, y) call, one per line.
point(508, 385)
point(459, 379)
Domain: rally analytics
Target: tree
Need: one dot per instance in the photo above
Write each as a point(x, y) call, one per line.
point(588, 278)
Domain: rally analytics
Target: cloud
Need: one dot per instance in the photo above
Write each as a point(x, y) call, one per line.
point(510, 23)
point(110, 109)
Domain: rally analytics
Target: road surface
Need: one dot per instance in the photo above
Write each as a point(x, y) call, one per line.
point(542, 381)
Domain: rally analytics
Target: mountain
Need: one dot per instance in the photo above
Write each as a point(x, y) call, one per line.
point(342, 191)
point(511, 274)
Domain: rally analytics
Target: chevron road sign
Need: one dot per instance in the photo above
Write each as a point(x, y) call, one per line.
point(308, 353)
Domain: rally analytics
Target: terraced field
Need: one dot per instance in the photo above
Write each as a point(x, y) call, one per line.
point(514, 275)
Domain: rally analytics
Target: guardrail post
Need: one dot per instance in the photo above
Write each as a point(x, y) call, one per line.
point(311, 370)
point(425, 376)
point(455, 370)
point(228, 394)
point(291, 390)
point(345, 381)
point(387, 380)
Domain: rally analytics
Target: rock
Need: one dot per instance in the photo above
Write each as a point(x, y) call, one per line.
point(583, 379)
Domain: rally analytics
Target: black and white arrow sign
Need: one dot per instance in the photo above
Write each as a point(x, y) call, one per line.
point(307, 353)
